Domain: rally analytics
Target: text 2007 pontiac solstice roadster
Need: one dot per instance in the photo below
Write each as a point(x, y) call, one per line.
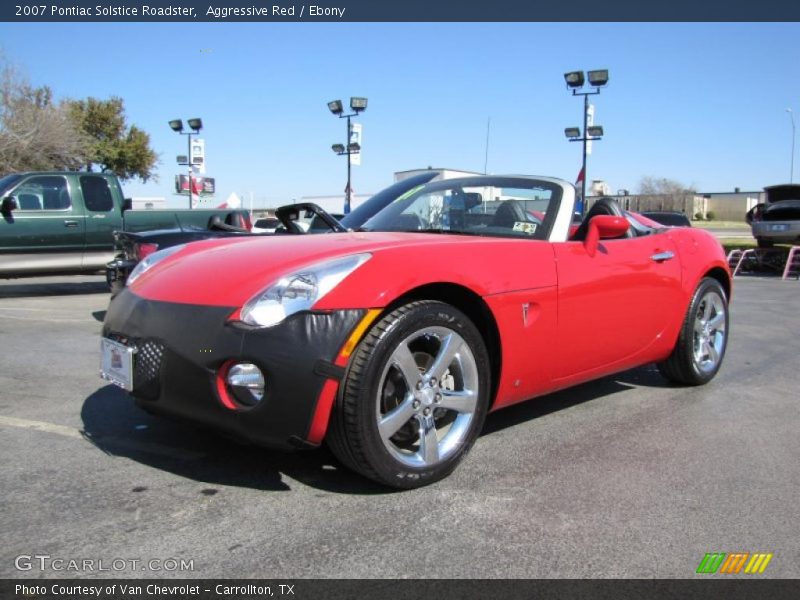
point(393, 342)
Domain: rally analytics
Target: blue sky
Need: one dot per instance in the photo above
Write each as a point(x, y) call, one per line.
point(700, 103)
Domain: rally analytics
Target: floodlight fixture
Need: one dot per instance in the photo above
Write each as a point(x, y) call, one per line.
point(336, 107)
point(598, 78)
point(574, 79)
point(358, 104)
point(195, 125)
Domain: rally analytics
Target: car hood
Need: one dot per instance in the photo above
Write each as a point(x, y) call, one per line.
point(228, 272)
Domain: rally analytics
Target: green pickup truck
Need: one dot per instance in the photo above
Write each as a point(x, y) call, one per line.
point(62, 222)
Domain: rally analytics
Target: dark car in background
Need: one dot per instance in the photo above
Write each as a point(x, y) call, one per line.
point(668, 217)
point(136, 247)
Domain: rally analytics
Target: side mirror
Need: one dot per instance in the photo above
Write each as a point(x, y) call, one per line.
point(603, 227)
point(9, 203)
point(127, 204)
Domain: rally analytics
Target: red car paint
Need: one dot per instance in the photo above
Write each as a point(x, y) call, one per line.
point(565, 314)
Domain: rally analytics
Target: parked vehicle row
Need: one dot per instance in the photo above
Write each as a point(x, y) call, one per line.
point(63, 222)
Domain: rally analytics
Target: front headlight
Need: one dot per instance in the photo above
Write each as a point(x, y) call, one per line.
point(151, 260)
point(299, 290)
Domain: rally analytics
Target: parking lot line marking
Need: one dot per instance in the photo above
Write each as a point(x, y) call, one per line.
point(41, 426)
point(117, 442)
point(49, 320)
point(26, 308)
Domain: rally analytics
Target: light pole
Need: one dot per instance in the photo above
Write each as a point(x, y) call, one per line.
point(196, 125)
point(357, 105)
point(791, 168)
point(575, 81)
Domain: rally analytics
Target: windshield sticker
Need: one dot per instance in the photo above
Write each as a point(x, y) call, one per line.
point(524, 227)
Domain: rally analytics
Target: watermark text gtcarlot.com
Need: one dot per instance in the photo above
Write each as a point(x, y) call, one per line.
point(45, 562)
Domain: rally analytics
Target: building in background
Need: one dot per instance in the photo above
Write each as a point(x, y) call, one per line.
point(723, 206)
point(599, 188)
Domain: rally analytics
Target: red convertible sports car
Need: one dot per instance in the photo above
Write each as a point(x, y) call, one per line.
point(391, 343)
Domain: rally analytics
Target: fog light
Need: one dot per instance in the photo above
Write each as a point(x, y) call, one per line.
point(246, 383)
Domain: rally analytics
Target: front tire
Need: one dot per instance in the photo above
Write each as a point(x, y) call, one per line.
point(703, 338)
point(414, 398)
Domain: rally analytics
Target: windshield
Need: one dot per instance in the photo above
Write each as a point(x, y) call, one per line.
point(487, 206)
point(356, 219)
point(7, 182)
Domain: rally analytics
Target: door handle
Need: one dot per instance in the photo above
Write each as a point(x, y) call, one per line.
point(70, 223)
point(662, 256)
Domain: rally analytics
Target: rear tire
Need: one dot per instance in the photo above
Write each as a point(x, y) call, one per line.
point(414, 398)
point(703, 338)
point(762, 243)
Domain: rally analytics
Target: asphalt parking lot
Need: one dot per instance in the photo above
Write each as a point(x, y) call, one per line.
point(623, 477)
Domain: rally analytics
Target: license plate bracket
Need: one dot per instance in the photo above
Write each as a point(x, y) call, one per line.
point(116, 363)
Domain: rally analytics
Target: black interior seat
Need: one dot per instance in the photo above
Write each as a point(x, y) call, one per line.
point(508, 213)
point(603, 206)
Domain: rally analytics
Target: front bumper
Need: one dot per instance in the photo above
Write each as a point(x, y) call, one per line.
point(181, 348)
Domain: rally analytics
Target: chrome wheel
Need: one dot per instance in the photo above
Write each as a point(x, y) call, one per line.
point(427, 397)
point(709, 332)
point(703, 337)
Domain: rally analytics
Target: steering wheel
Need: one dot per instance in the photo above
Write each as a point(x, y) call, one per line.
point(288, 214)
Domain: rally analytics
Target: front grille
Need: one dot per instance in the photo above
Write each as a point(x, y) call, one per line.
point(146, 369)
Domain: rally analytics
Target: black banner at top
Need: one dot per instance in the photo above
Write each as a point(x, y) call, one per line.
point(281, 11)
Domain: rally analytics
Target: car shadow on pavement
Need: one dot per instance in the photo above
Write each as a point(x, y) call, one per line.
point(21, 289)
point(116, 426)
point(647, 376)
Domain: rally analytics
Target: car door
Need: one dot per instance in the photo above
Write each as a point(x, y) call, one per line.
point(613, 306)
point(46, 232)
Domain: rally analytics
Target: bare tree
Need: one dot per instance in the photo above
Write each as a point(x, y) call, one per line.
point(660, 193)
point(650, 186)
point(35, 133)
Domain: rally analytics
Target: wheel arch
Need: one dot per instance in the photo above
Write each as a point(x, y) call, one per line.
point(722, 276)
point(474, 307)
